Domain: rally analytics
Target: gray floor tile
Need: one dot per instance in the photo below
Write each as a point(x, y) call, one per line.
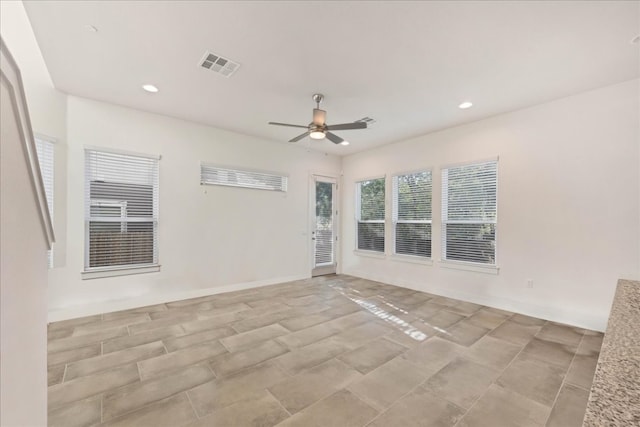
point(426, 310)
point(362, 334)
point(570, 407)
point(234, 362)
point(217, 311)
point(310, 355)
point(582, 370)
point(409, 336)
point(171, 412)
point(80, 413)
point(245, 340)
point(125, 313)
point(420, 409)
point(84, 387)
point(539, 381)
point(502, 408)
point(464, 333)
point(95, 364)
point(91, 328)
point(262, 411)
point(373, 354)
point(245, 385)
point(493, 352)
point(135, 396)
point(560, 333)
point(527, 320)
point(72, 323)
point(306, 388)
point(308, 336)
point(161, 365)
point(216, 322)
point(550, 351)
point(444, 319)
point(461, 382)
point(342, 409)
point(384, 386)
point(433, 355)
point(63, 344)
point(302, 322)
point(465, 308)
point(516, 333)
point(59, 333)
point(161, 323)
point(121, 343)
point(69, 356)
point(55, 374)
point(184, 341)
point(487, 319)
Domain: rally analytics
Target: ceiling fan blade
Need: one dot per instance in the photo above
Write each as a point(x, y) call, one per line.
point(287, 124)
point(319, 116)
point(348, 126)
point(299, 137)
point(333, 137)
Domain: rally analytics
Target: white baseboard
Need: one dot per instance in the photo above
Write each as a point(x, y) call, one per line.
point(66, 313)
point(591, 321)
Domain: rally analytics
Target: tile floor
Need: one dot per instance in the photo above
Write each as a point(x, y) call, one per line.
point(329, 351)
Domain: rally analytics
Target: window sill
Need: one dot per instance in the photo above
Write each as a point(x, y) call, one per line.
point(99, 273)
point(467, 266)
point(412, 259)
point(370, 254)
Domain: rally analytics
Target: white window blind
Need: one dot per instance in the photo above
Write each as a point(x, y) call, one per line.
point(370, 214)
point(412, 214)
point(469, 212)
point(121, 210)
point(217, 175)
point(44, 150)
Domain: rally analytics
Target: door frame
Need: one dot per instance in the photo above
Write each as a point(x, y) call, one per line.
point(327, 177)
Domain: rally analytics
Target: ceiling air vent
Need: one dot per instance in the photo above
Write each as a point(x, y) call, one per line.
point(219, 64)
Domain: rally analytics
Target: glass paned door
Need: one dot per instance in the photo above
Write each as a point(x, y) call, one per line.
point(323, 234)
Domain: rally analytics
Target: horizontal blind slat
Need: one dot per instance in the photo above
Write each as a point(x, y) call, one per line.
point(469, 212)
point(121, 209)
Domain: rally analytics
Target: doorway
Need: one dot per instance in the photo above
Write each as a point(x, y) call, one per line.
point(324, 225)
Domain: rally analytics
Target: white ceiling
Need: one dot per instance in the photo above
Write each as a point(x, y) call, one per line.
point(405, 64)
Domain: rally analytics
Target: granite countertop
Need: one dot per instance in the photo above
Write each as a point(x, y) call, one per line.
point(615, 394)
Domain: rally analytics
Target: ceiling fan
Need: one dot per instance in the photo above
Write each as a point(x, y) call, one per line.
point(319, 129)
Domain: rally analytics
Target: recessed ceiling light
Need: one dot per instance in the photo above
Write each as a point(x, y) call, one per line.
point(465, 105)
point(344, 143)
point(150, 88)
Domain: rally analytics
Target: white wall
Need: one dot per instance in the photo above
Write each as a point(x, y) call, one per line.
point(47, 106)
point(568, 205)
point(210, 237)
point(23, 264)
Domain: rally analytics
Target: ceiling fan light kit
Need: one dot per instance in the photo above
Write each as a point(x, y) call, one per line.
point(319, 129)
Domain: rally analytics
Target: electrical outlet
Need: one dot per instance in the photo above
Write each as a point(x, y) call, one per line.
point(529, 283)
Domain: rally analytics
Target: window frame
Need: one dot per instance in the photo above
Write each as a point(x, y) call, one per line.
point(460, 264)
point(358, 216)
point(395, 221)
point(120, 269)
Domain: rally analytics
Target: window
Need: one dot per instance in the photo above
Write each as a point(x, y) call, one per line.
point(44, 149)
point(121, 210)
point(216, 175)
point(370, 214)
point(469, 212)
point(412, 214)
